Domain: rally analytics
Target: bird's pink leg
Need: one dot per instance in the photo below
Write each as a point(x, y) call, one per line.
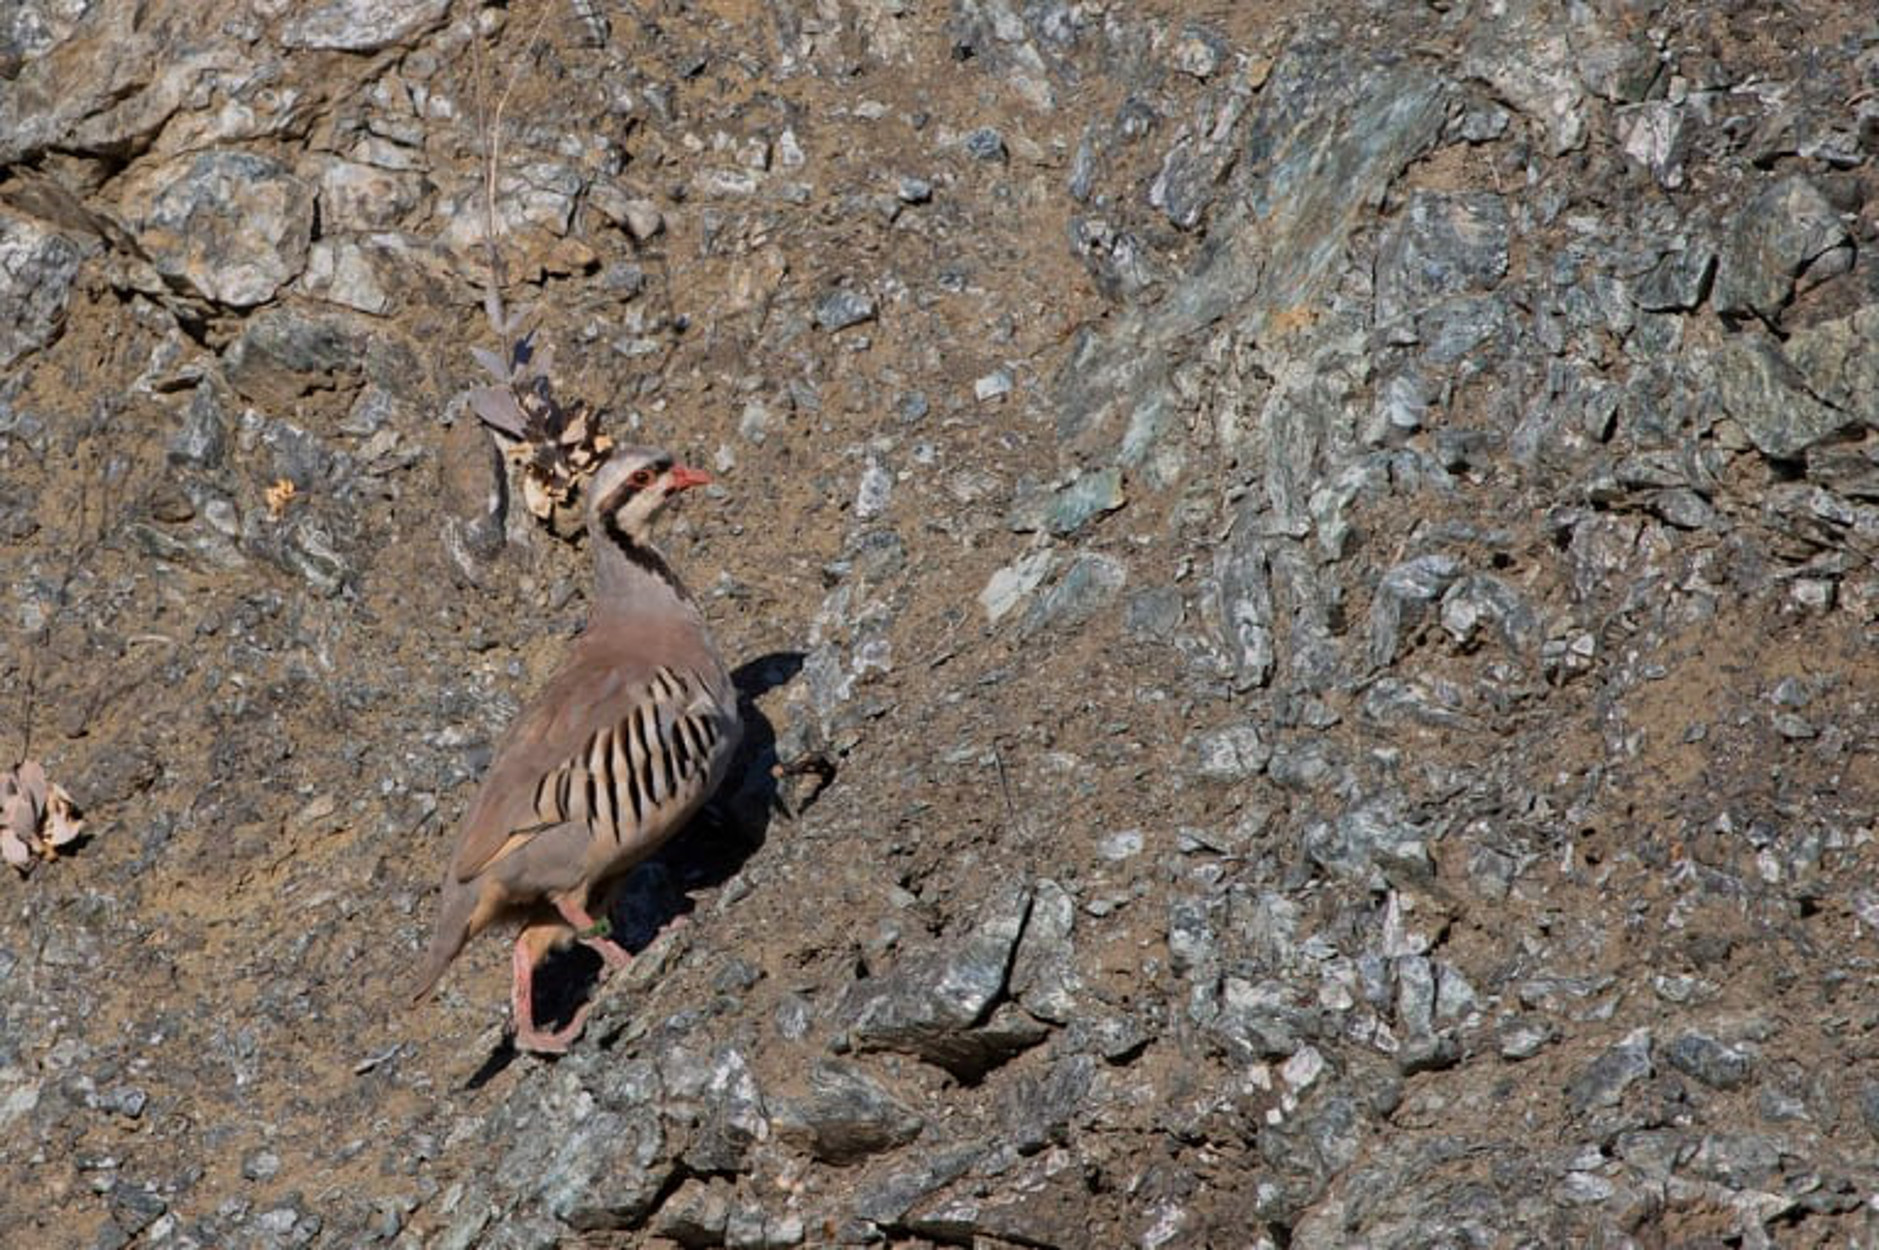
point(611, 953)
point(530, 945)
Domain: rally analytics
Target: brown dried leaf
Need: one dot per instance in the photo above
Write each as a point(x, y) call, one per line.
point(497, 408)
point(17, 817)
point(63, 822)
point(30, 780)
point(279, 495)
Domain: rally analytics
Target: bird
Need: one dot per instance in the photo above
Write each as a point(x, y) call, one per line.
point(628, 739)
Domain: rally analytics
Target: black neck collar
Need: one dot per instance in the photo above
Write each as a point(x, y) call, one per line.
point(641, 555)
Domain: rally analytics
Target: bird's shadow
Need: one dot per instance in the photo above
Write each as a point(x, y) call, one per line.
point(705, 854)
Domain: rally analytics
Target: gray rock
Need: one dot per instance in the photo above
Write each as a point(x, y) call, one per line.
point(1090, 496)
point(1370, 843)
point(1679, 280)
point(1154, 613)
point(1243, 581)
point(1837, 361)
point(1035, 1203)
point(718, 1093)
point(1044, 978)
point(1603, 1082)
point(603, 1169)
point(1279, 245)
point(37, 267)
point(843, 308)
point(1527, 52)
point(1656, 134)
point(233, 225)
point(1442, 244)
point(1262, 1019)
point(994, 385)
point(1084, 589)
point(360, 25)
point(1766, 395)
point(1040, 1111)
point(985, 144)
point(347, 273)
point(357, 196)
point(886, 1197)
point(260, 1165)
point(282, 355)
point(932, 1004)
point(697, 1214)
point(1523, 1037)
point(1869, 1107)
point(1776, 236)
point(1230, 755)
point(846, 1116)
point(202, 442)
point(1008, 586)
point(1717, 1065)
point(1402, 590)
point(1479, 601)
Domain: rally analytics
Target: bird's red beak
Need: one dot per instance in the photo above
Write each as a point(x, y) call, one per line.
point(683, 477)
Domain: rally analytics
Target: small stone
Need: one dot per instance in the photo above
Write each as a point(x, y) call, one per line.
point(643, 219)
point(843, 308)
point(911, 190)
point(1008, 586)
point(169, 504)
point(1603, 1082)
point(1198, 53)
point(1794, 727)
point(876, 487)
point(985, 144)
point(1523, 1037)
point(1120, 846)
point(1153, 614)
point(202, 441)
point(1776, 236)
point(847, 1116)
point(1709, 1061)
point(1085, 588)
point(1090, 496)
point(1230, 755)
point(37, 269)
point(995, 385)
point(360, 25)
point(260, 1165)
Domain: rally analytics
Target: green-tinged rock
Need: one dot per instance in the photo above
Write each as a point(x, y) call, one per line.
point(1082, 501)
point(1768, 398)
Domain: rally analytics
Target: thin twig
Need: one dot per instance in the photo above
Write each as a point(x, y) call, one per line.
point(492, 163)
point(1013, 820)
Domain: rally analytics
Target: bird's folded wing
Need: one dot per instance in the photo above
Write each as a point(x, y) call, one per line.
point(623, 760)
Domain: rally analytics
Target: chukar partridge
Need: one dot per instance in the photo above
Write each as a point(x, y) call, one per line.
point(626, 742)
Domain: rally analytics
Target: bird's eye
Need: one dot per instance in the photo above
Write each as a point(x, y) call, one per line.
point(641, 478)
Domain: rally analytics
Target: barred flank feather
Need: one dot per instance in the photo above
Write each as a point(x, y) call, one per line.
point(659, 754)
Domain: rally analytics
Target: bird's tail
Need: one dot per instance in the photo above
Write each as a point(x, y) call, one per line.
point(455, 909)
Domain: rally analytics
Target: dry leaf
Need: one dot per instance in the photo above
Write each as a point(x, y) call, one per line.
point(278, 496)
point(63, 823)
point(555, 446)
point(37, 816)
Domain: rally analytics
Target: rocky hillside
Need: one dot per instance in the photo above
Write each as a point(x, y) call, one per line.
point(1329, 547)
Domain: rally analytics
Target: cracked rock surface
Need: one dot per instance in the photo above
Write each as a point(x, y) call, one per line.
point(1328, 548)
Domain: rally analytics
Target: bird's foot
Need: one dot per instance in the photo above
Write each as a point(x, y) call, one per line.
point(550, 1041)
